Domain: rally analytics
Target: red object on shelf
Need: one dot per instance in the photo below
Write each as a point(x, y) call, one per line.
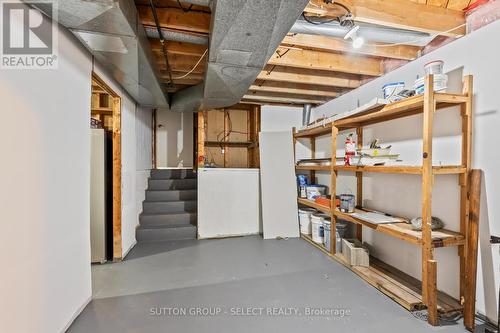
point(350, 148)
point(323, 201)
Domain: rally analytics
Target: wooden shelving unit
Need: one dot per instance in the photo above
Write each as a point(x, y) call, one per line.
point(406, 290)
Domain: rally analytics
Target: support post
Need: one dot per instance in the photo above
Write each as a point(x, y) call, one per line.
point(312, 173)
point(471, 244)
point(427, 183)
point(333, 191)
point(359, 185)
point(201, 139)
point(466, 113)
point(432, 312)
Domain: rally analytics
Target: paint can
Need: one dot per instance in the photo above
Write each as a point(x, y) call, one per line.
point(305, 220)
point(341, 227)
point(347, 203)
point(314, 191)
point(317, 227)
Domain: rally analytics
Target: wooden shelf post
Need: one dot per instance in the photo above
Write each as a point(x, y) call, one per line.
point(359, 185)
point(427, 183)
point(333, 189)
point(432, 298)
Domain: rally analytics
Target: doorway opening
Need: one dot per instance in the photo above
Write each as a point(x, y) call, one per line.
point(106, 226)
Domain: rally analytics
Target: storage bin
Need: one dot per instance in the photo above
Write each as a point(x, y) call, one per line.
point(355, 253)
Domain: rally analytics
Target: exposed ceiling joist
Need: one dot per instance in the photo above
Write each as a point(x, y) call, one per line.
point(172, 18)
point(310, 77)
point(179, 48)
point(402, 14)
point(332, 44)
point(326, 61)
point(284, 99)
point(293, 88)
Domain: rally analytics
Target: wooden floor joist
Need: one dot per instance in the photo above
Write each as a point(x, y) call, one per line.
point(292, 88)
point(332, 44)
point(326, 61)
point(176, 18)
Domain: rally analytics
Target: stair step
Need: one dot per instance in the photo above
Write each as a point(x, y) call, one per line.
point(153, 234)
point(165, 207)
point(151, 220)
point(170, 195)
point(172, 184)
point(172, 174)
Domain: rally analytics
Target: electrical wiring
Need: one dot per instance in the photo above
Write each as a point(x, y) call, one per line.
point(308, 20)
point(185, 10)
point(192, 69)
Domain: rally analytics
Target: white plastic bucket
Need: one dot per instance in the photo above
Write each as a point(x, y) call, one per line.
point(317, 228)
point(440, 84)
point(314, 191)
point(305, 220)
point(391, 91)
point(326, 231)
point(341, 227)
point(434, 67)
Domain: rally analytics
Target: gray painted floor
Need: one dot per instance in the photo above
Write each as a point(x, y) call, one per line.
point(250, 282)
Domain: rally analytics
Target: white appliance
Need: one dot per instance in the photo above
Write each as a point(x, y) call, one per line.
point(98, 195)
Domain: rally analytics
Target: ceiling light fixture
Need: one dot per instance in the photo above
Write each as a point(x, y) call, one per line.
point(357, 41)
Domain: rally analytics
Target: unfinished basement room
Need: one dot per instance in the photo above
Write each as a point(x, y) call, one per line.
point(250, 166)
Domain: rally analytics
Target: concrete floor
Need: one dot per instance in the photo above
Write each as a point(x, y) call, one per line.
point(238, 285)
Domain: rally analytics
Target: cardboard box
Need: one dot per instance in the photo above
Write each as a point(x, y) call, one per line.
point(355, 253)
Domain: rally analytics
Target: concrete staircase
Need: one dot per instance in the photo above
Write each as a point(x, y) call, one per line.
point(169, 211)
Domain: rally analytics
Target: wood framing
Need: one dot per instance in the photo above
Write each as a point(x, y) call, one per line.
point(326, 61)
point(407, 291)
point(402, 14)
point(117, 168)
point(332, 44)
point(175, 18)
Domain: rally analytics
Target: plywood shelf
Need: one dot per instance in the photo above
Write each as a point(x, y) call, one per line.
point(400, 287)
point(399, 169)
point(313, 132)
point(314, 205)
point(404, 231)
point(404, 108)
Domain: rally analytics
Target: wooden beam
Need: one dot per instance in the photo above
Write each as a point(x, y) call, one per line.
point(313, 99)
point(292, 75)
point(178, 48)
point(402, 14)
point(181, 63)
point(173, 18)
point(292, 88)
point(326, 61)
point(332, 44)
point(284, 99)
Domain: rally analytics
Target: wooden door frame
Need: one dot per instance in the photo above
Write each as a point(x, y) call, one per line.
point(117, 167)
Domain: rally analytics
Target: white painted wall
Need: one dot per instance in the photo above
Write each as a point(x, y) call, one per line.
point(45, 193)
point(174, 139)
point(474, 54)
point(224, 209)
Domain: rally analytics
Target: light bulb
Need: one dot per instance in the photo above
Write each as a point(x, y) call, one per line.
point(357, 42)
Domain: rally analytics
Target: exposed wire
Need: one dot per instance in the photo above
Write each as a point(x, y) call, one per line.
point(308, 20)
point(185, 10)
point(192, 69)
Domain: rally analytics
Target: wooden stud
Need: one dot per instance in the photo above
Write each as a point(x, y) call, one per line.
point(359, 185)
point(326, 61)
point(304, 76)
point(472, 249)
point(466, 113)
point(333, 190)
point(427, 175)
point(201, 139)
point(432, 298)
point(313, 155)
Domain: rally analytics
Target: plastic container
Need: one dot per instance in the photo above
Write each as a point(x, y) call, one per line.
point(341, 227)
point(347, 203)
point(440, 84)
point(317, 227)
point(305, 220)
point(301, 185)
point(434, 67)
point(314, 191)
point(391, 91)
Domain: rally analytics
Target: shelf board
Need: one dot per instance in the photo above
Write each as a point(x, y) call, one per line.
point(404, 231)
point(403, 108)
point(316, 131)
point(312, 204)
point(314, 167)
point(400, 287)
point(403, 169)
point(229, 143)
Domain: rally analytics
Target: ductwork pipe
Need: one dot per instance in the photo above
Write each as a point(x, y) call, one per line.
point(177, 36)
point(306, 114)
point(369, 32)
